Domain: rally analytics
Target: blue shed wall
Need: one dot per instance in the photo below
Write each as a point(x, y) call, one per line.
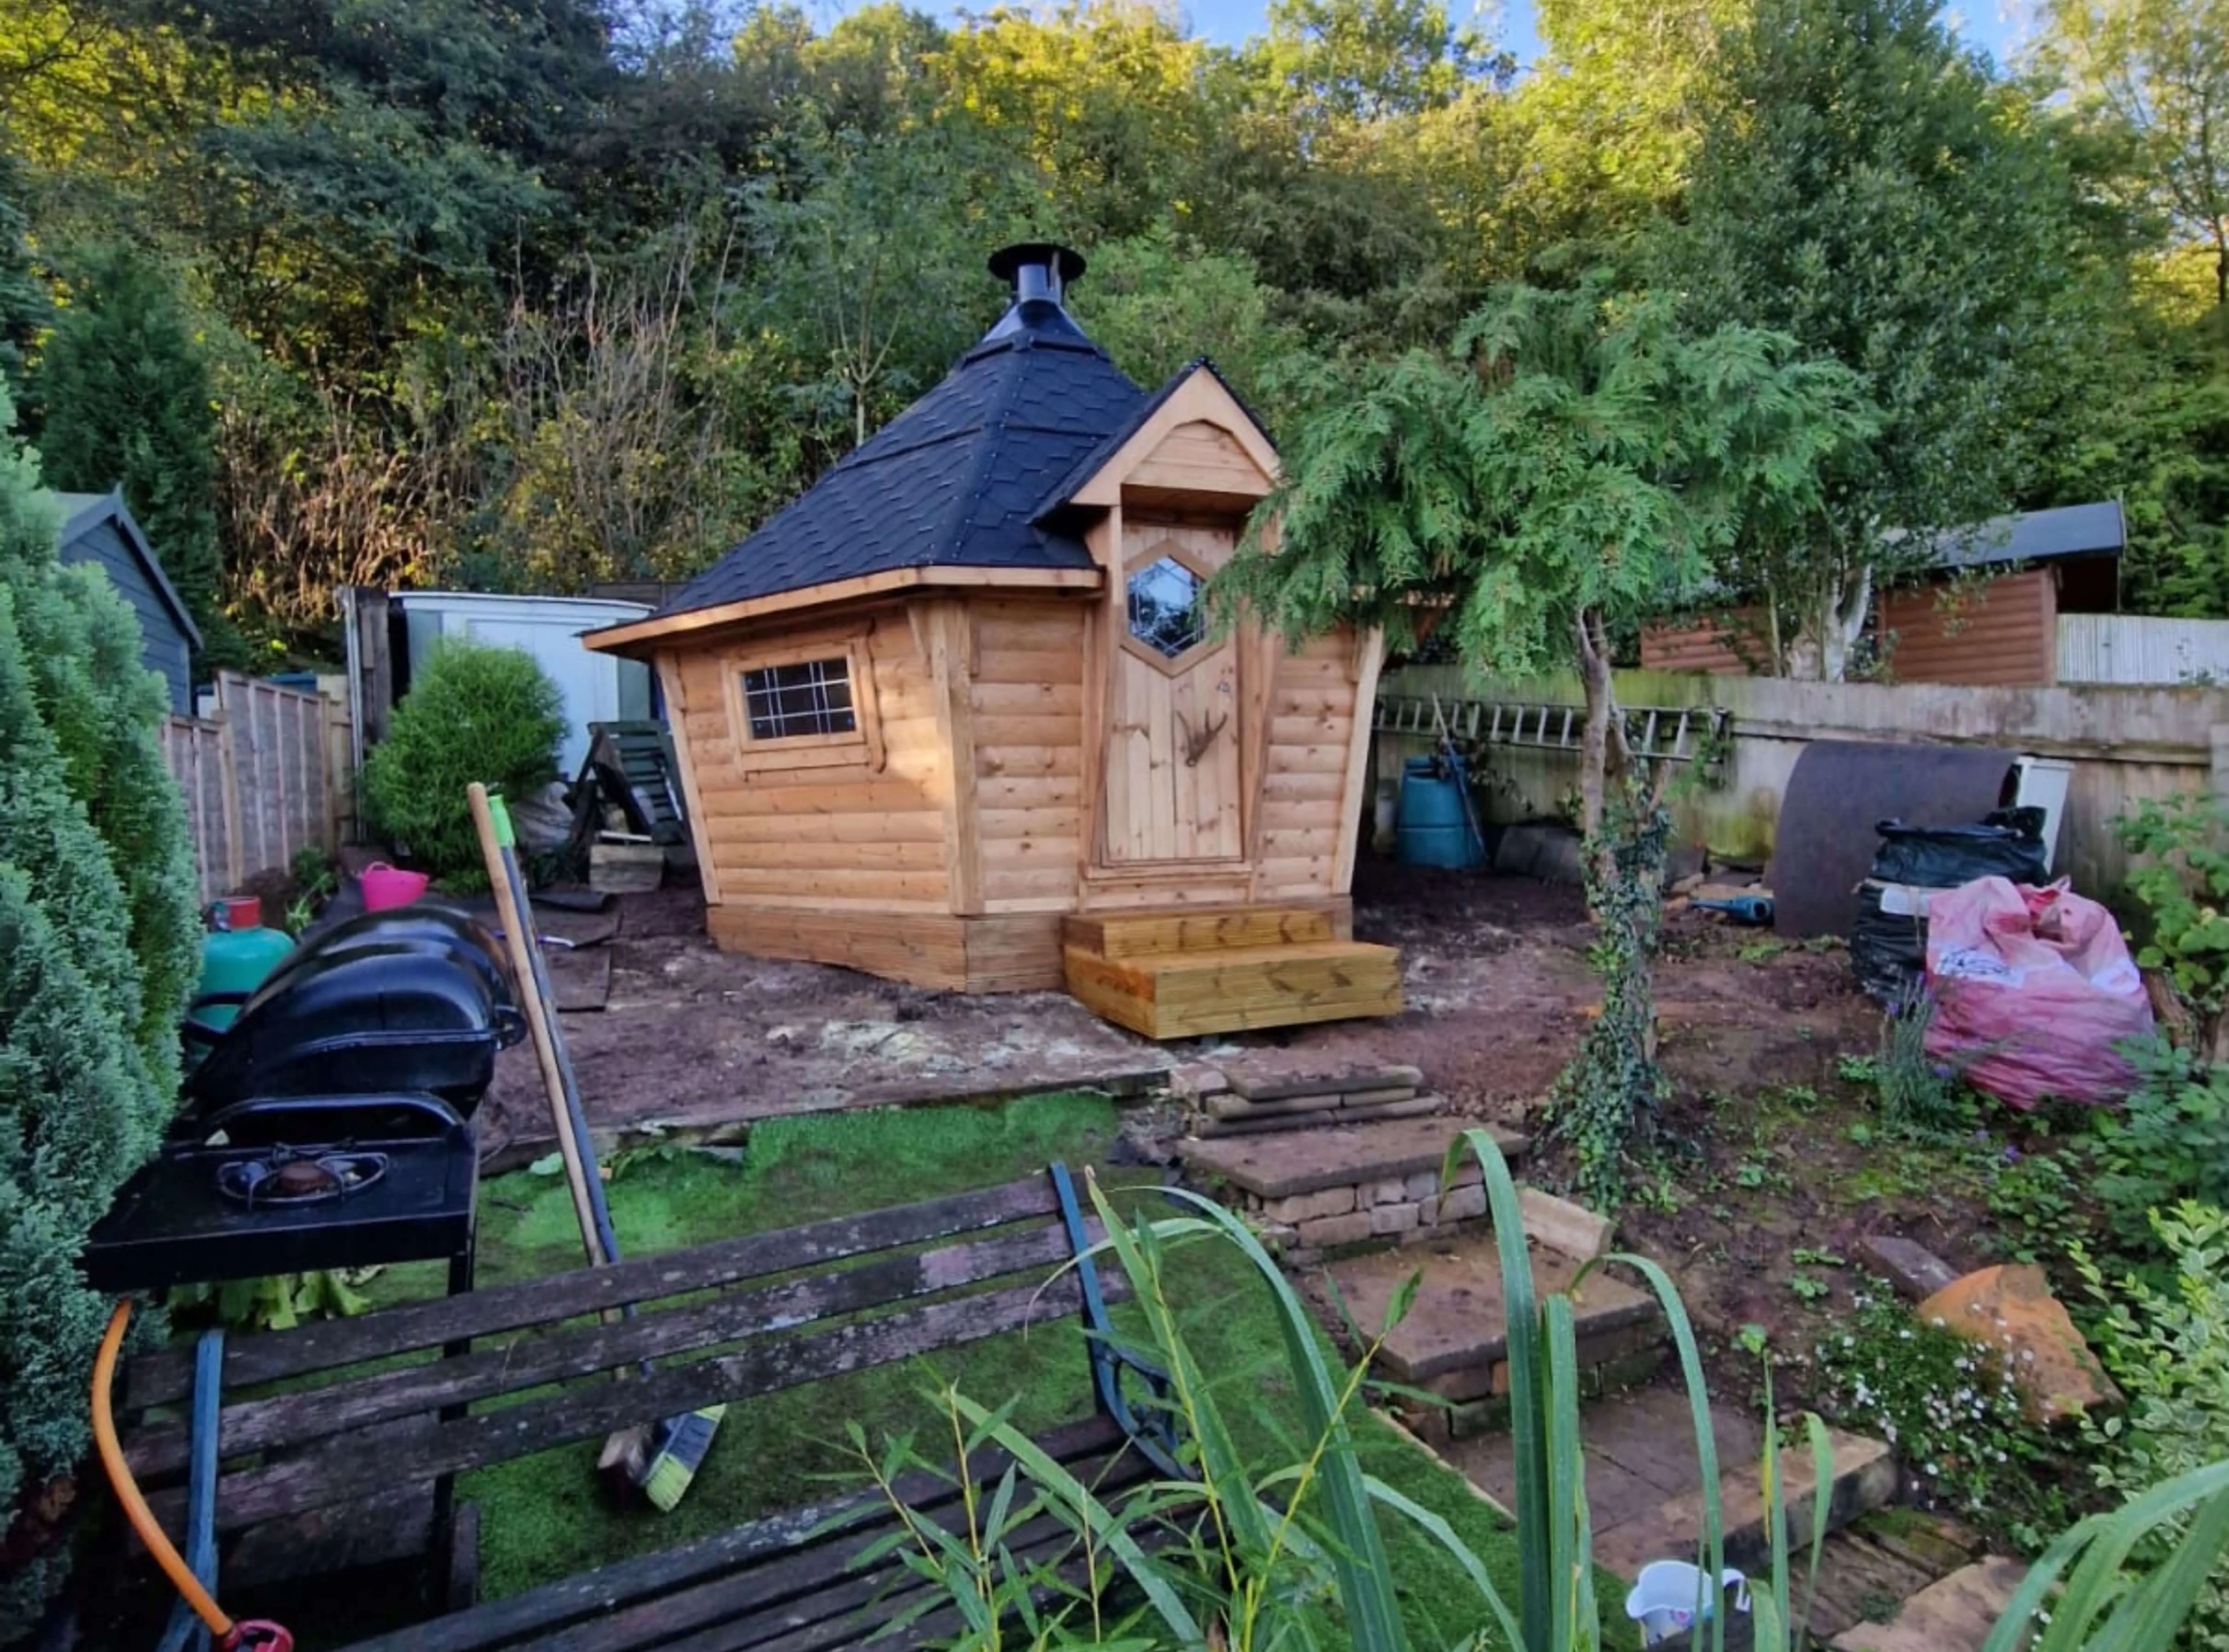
point(166, 650)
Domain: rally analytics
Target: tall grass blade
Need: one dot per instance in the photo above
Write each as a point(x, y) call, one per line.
point(1822, 1482)
point(1360, 1564)
point(1527, 1419)
point(2152, 1613)
point(1711, 1544)
point(2114, 1535)
point(1445, 1535)
point(1107, 1529)
point(1570, 1545)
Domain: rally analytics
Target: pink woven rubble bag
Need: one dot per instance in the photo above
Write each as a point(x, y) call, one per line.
point(2034, 989)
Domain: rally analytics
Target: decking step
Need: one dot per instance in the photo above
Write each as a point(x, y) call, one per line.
point(1208, 928)
point(1304, 1161)
point(1454, 1340)
point(1955, 1614)
point(1184, 995)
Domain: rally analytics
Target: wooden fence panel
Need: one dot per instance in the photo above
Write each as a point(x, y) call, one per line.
point(255, 778)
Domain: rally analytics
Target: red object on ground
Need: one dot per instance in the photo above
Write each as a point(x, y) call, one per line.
point(386, 887)
point(243, 911)
point(2034, 989)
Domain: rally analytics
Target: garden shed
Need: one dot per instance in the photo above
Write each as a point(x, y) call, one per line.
point(956, 716)
point(98, 528)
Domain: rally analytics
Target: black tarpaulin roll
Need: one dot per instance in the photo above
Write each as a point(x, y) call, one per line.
point(1824, 844)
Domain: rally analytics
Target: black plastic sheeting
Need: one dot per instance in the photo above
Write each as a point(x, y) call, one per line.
point(1839, 790)
point(1888, 947)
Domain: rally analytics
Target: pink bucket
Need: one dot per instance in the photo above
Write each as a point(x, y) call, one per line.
point(385, 887)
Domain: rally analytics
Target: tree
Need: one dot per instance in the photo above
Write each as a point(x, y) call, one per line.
point(2159, 70)
point(1868, 189)
point(97, 948)
point(24, 304)
point(1577, 460)
point(128, 400)
point(1341, 61)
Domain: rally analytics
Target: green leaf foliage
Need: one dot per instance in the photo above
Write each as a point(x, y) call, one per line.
point(128, 402)
point(474, 713)
point(98, 950)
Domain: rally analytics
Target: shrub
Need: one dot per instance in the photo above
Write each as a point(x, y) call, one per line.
point(2182, 885)
point(2170, 1352)
point(97, 948)
point(474, 713)
point(1950, 1409)
point(2169, 1142)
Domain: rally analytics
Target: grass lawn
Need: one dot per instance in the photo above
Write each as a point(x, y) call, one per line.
point(544, 1517)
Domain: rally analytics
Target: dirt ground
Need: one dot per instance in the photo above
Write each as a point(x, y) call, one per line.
point(1768, 1168)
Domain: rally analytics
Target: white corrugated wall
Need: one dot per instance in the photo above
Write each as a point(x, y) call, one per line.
point(2127, 648)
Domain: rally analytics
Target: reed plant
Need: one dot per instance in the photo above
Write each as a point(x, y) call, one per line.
point(1231, 1554)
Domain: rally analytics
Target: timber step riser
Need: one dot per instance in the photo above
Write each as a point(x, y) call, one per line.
point(1187, 973)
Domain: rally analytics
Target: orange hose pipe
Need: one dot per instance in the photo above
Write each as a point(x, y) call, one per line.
point(127, 1489)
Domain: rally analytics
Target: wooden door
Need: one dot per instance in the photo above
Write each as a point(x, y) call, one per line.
point(1171, 790)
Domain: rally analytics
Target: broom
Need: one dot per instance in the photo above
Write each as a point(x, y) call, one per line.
point(659, 1461)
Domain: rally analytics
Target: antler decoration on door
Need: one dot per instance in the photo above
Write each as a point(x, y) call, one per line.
point(1196, 745)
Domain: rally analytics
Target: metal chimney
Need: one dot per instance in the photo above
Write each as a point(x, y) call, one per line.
point(1038, 272)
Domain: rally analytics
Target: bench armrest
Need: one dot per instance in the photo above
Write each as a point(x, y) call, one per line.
point(1154, 1429)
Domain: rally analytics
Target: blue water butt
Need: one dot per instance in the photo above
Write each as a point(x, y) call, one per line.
point(1433, 827)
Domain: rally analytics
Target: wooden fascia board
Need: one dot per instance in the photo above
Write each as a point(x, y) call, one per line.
point(643, 633)
point(1201, 397)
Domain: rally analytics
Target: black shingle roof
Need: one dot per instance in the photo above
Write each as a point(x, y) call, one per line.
point(957, 479)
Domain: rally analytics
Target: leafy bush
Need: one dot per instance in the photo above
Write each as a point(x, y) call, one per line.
point(2169, 1142)
point(474, 713)
point(2182, 885)
point(98, 950)
point(1949, 1407)
point(2170, 1352)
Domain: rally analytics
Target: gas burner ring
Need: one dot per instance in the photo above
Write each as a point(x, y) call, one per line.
point(288, 1177)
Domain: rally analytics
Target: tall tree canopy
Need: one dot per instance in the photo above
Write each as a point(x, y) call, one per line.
point(1867, 188)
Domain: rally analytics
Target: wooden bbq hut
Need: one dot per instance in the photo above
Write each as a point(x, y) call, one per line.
point(955, 717)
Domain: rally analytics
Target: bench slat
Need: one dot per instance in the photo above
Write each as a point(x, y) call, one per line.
point(306, 1416)
point(342, 1469)
point(539, 1612)
point(165, 1377)
point(793, 1591)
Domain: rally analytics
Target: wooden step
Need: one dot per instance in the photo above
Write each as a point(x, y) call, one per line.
point(1205, 929)
point(1454, 1340)
point(1185, 994)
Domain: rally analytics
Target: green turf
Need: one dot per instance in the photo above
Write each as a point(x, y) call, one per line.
point(544, 1517)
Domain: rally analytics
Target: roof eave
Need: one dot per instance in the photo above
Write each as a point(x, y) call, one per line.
point(111, 507)
point(642, 637)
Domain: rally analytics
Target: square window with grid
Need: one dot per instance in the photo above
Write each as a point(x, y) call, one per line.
point(813, 697)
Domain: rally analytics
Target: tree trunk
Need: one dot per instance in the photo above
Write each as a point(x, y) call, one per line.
point(1821, 652)
point(1601, 707)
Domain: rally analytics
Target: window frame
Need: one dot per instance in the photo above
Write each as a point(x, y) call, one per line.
point(862, 745)
point(1137, 562)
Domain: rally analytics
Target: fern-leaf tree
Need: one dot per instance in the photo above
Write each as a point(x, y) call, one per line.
point(1576, 461)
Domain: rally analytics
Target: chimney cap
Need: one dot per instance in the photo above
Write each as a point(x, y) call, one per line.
point(1008, 261)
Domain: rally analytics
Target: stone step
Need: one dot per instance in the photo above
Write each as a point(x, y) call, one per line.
point(1862, 1477)
point(1306, 1161)
point(1956, 1614)
point(1453, 1342)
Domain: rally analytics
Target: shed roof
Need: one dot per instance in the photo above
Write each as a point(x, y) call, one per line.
point(83, 512)
point(2035, 537)
point(960, 478)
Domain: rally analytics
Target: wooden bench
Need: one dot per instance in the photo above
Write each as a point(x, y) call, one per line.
point(320, 1421)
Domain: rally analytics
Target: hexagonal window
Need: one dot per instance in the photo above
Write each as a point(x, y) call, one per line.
point(1166, 612)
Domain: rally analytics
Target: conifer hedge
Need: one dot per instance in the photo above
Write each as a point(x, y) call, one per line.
point(99, 947)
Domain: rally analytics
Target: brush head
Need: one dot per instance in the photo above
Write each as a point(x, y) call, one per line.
point(683, 1441)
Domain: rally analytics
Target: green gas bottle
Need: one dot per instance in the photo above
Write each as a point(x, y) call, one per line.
point(237, 954)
